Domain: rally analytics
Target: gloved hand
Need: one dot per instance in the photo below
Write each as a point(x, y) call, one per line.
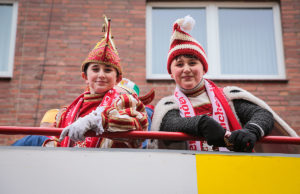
point(212, 131)
point(243, 140)
point(76, 130)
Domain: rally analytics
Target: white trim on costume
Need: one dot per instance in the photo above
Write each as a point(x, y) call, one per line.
point(243, 94)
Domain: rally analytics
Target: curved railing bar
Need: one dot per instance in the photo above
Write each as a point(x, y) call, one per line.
point(47, 131)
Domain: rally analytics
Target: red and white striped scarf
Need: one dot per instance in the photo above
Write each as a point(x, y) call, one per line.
point(219, 113)
point(74, 109)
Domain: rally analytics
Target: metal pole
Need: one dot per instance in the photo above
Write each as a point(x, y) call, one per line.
point(47, 131)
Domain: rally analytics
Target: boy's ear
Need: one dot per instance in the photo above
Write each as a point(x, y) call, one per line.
point(172, 76)
point(83, 75)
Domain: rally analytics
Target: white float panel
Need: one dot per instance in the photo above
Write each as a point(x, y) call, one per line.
point(30, 170)
point(36, 170)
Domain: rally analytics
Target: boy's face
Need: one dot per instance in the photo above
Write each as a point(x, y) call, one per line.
point(100, 77)
point(187, 72)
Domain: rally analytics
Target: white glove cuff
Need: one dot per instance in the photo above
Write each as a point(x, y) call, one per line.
point(98, 117)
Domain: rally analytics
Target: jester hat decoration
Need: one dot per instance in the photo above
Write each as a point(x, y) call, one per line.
point(105, 52)
point(132, 88)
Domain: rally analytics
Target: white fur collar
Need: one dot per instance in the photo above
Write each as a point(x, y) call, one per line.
point(161, 109)
point(233, 92)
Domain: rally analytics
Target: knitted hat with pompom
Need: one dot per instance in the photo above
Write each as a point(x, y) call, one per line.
point(182, 43)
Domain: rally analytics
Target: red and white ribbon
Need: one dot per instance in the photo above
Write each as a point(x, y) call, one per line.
point(187, 110)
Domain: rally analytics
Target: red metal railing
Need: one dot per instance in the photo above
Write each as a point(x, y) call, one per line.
point(13, 130)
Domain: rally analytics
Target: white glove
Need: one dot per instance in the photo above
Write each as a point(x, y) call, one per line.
point(76, 130)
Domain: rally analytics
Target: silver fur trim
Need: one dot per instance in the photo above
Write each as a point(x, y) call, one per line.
point(161, 109)
point(243, 94)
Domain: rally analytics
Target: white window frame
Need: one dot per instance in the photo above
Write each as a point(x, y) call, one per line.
point(9, 72)
point(213, 47)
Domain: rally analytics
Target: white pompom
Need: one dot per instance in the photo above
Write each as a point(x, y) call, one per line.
point(187, 23)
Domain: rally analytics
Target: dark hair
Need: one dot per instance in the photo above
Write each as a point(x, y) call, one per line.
point(187, 56)
point(88, 64)
point(85, 68)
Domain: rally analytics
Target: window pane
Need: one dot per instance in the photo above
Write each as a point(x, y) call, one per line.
point(162, 27)
point(247, 43)
point(5, 33)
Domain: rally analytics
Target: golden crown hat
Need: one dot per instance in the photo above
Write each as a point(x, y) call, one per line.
point(105, 51)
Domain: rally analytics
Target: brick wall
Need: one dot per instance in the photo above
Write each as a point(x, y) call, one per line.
point(54, 37)
point(290, 92)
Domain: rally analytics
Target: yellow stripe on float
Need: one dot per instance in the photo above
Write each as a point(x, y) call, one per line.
point(236, 174)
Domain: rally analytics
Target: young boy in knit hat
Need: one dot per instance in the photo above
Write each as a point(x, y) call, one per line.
point(102, 108)
point(229, 118)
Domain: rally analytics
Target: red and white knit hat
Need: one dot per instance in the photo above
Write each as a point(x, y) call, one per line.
point(182, 43)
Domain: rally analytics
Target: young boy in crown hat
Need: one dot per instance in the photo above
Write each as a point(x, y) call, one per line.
point(103, 107)
point(229, 118)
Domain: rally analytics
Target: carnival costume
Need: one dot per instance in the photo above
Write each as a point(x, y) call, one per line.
point(228, 118)
point(114, 111)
